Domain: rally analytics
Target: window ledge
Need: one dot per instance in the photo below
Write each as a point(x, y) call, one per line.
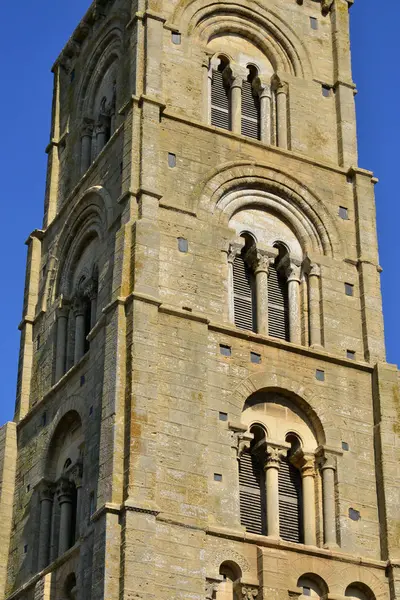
point(269, 542)
point(60, 560)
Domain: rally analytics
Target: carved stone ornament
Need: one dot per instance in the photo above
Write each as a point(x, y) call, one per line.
point(293, 272)
point(211, 588)
point(274, 454)
point(234, 250)
point(241, 441)
point(249, 593)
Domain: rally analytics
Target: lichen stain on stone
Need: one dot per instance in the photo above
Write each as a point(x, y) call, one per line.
point(396, 402)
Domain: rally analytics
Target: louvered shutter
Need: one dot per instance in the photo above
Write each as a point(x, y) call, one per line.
point(250, 112)
point(243, 294)
point(278, 305)
point(252, 494)
point(290, 502)
point(220, 104)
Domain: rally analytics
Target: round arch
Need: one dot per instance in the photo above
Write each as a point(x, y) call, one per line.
point(237, 185)
point(104, 54)
point(265, 28)
point(90, 217)
point(326, 427)
point(75, 405)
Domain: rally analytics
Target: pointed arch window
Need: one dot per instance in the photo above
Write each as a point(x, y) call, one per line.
point(220, 97)
point(250, 106)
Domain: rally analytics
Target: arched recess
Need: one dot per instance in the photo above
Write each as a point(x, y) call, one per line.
point(237, 185)
point(73, 405)
point(275, 38)
point(91, 216)
point(106, 52)
point(313, 585)
point(325, 425)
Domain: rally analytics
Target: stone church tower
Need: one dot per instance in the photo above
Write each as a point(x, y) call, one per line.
point(204, 410)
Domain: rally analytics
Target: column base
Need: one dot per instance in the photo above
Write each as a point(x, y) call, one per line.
point(317, 347)
point(332, 546)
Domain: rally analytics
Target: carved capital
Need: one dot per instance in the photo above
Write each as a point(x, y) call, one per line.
point(293, 271)
point(326, 460)
point(234, 250)
point(75, 474)
point(274, 454)
point(249, 593)
point(87, 128)
point(259, 260)
point(78, 306)
point(211, 588)
point(46, 491)
point(279, 86)
point(315, 270)
point(64, 490)
point(305, 462)
point(90, 289)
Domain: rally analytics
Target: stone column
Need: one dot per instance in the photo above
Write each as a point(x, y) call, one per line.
point(61, 349)
point(207, 83)
point(265, 114)
point(236, 104)
point(293, 278)
point(307, 469)
point(281, 114)
point(328, 468)
point(76, 476)
point(79, 312)
point(233, 252)
point(90, 292)
point(46, 508)
point(64, 493)
point(314, 306)
point(101, 136)
point(86, 146)
point(261, 270)
point(271, 467)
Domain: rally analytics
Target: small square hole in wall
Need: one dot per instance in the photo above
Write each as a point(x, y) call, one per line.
point(306, 591)
point(345, 446)
point(343, 213)
point(255, 358)
point(313, 23)
point(171, 160)
point(183, 245)
point(28, 488)
point(320, 375)
point(223, 416)
point(354, 514)
point(225, 350)
point(350, 354)
point(217, 477)
point(82, 380)
point(90, 411)
point(349, 178)
point(176, 38)
point(326, 91)
point(26, 549)
point(349, 289)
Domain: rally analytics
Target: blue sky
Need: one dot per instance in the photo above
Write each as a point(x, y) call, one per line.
point(33, 33)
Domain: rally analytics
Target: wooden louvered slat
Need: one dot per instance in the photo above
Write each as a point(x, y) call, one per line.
point(290, 502)
point(250, 112)
point(220, 105)
point(252, 495)
point(278, 305)
point(243, 295)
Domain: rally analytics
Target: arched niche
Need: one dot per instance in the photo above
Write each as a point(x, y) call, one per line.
point(66, 446)
point(268, 228)
point(313, 586)
point(282, 416)
point(359, 591)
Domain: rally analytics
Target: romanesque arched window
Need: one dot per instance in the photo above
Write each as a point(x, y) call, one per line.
point(278, 477)
point(313, 585)
point(250, 105)
point(59, 491)
point(77, 313)
point(359, 591)
point(264, 267)
point(220, 94)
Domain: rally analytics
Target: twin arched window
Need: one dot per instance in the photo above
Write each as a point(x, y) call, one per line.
point(230, 96)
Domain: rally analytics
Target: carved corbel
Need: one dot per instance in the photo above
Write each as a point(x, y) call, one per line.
point(211, 588)
point(234, 250)
point(249, 593)
point(241, 439)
